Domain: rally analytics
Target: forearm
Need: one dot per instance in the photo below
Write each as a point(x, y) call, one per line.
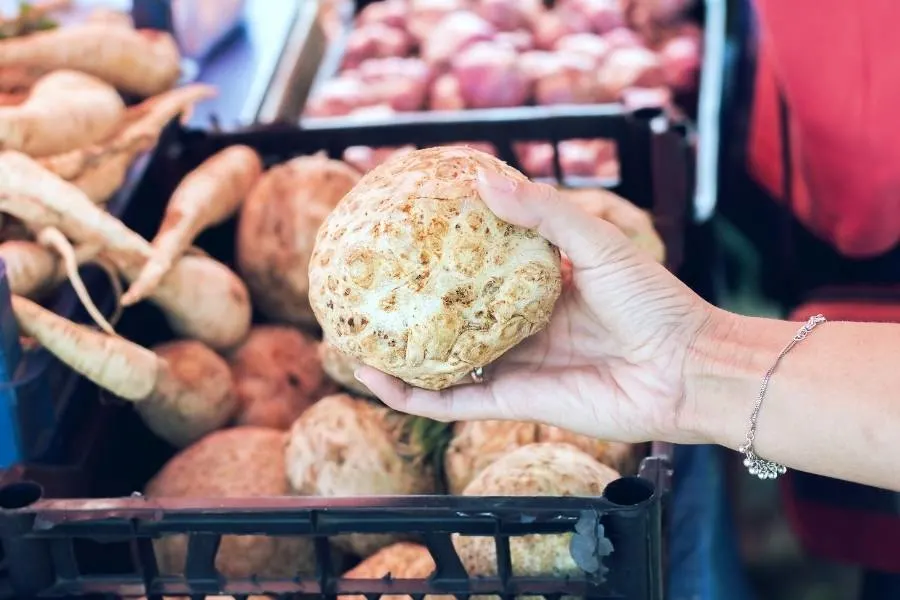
point(832, 406)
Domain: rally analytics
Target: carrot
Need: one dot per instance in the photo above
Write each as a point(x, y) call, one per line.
point(100, 169)
point(64, 111)
point(141, 62)
point(201, 298)
point(182, 391)
point(205, 197)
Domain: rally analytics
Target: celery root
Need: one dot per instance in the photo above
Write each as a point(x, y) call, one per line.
point(205, 197)
point(182, 391)
point(100, 169)
point(64, 111)
point(141, 62)
point(202, 298)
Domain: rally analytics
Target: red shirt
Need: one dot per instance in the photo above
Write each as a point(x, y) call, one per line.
point(837, 62)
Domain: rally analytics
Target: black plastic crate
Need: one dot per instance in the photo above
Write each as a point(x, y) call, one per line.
point(98, 542)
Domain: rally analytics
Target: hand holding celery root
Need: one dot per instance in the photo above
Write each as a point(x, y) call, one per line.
point(141, 62)
point(182, 391)
point(65, 110)
point(205, 197)
point(100, 169)
point(201, 298)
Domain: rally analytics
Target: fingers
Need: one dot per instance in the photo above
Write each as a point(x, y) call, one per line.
point(588, 241)
point(461, 403)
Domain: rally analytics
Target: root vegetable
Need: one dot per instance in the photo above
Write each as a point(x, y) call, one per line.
point(589, 45)
point(459, 30)
point(392, 13)
point(412, 274)
point(424, 15)
point(342, 446)
point(375, 41)
point(446, 94)
point(278, 375)
point(634, 222)
point(680, 58)
point(31, 269)
point(519, 40)
point(277, 232)
point(551, 27)
point(207, 196)
point(622, 37)
point(478, 444)
point(509, 15)
point(242, 462)
point(629, 67)
point(581, 158)
point(637, 98)
point(489, 76)
point(182, 390)
point(100, 169)
point(18, 79)
point(340, 368)
point(200, 297)
point(571, 81)
point(403, 560)
point(400, 82)
point(65, 110)
point(366, 158)
point(544, 469)
point(338, 97)
point(141, 62)
point(602, 15)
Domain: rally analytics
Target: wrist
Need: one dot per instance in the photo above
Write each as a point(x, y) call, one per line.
point(723, 371)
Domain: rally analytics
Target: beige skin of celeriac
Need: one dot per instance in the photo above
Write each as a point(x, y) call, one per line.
point(478, 444)
point(345, 446)
point(141, 62)
point(182, 390)
point(100, 169)
point(340, 368)
point(201, 298)
point(277, 230)
point(241, 462)
point(207, 196)
point(413, 275)
point(403, 560)
point(545, 469)
point(277, 375)
point(64, 111)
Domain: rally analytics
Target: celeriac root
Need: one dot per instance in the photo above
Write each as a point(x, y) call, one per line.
point(201, 298)
point(100, 169)
point(64, 111)
point(182, 391)
point(205, 197)
point(141, 62)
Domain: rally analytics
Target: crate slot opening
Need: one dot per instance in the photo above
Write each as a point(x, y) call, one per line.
point(19, 495)
point(629, 491)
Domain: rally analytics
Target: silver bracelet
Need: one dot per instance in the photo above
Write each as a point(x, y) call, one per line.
point(762, 468)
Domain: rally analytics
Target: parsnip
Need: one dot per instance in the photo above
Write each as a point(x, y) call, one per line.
point(141, 62)
point(205, 197)
point(18, 79)
point(202, 298)
point(182, 391)
point(64, 111)
point(31, 269)
point(100, 169)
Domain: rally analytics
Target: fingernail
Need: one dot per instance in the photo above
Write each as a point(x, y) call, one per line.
point(496, 182)
point(356, 376)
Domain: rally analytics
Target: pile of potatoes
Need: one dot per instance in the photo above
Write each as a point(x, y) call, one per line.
point(273, 409)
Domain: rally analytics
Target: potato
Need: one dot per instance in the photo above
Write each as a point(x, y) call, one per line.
point(546, 469)
point(412, 274)
point(277, 230)
point(477, 444)
point(403, 560)
point(343, 446)
point(341, 368)
point(634, 222)
point(241, 462)
point(277, 375)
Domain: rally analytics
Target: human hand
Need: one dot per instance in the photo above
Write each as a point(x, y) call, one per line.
point(611, 364)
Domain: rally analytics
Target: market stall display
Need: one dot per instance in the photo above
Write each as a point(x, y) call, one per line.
point(359, 475)
point(416, 55)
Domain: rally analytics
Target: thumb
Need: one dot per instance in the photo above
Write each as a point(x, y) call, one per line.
point(587, 240)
